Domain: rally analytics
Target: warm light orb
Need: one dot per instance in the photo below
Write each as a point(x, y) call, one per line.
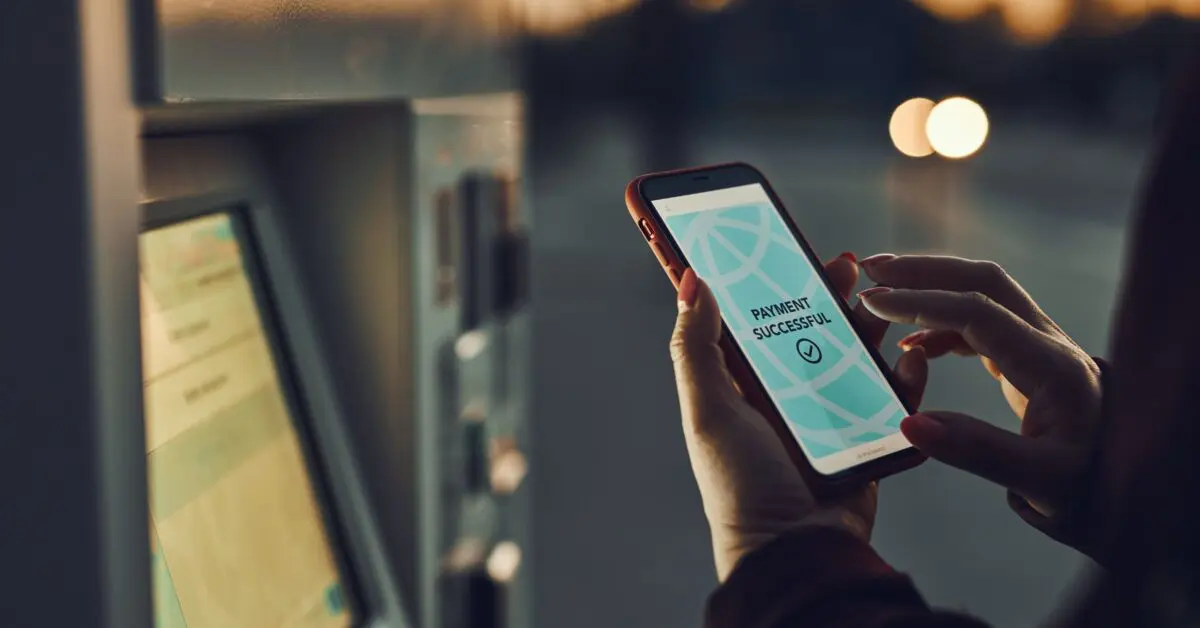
point(503, 562)
point(1186, 8)
point(907, 127)
point(957, 127)
point(470, 345)
point(710, 6)
point(1038, 22)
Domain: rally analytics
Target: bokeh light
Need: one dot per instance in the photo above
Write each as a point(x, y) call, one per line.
point(508, 465)
point(470, 345)
point(564, 18)
point(1035, 22)
point(709, 6)
point(907, 127)
point(1038, 22)
point(503, 562)
point(467, 554)
point(957, 127)
point(958, 10)
point(1144, 8)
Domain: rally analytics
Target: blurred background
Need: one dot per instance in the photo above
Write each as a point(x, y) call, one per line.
point(474, 335)
point(811, 93)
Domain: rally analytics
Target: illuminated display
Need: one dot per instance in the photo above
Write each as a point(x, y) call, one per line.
point(237, 537)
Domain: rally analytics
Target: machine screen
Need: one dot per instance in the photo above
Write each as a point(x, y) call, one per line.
point(237, 536)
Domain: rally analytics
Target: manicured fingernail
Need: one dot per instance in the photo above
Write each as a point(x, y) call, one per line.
point(850, 256)
point(876, 259)
point(688, 289)
point(914, 338)
point(922, 428)
point(873, 291)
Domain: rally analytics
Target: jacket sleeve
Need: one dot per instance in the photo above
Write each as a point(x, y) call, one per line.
point(822, 576)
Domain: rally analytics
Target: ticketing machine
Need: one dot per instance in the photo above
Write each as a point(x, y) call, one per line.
point(260, 510)
point(246, 383)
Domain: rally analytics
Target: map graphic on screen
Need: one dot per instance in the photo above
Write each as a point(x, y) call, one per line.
point(816, 370)
point(237, 537)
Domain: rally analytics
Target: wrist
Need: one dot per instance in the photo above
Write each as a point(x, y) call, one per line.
point(841, 519)
point(744, 543)
point(826, 517)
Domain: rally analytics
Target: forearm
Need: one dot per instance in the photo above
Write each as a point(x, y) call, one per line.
point(821, 575)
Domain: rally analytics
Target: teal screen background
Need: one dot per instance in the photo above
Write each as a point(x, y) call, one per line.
point(749, 258)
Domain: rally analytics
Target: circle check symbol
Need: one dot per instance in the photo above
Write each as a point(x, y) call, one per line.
point(808, 350)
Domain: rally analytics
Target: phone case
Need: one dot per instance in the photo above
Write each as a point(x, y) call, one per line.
point(747, 382)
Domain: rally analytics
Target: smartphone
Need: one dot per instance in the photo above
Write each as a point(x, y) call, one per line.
point(790, 340)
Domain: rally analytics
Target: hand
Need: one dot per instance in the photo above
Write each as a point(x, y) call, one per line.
point(1053, 386)
point(751, 490)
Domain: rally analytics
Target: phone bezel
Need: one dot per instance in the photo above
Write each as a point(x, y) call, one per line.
point(648, 188)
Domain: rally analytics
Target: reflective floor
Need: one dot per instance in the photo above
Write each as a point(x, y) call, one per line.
point(621, 539)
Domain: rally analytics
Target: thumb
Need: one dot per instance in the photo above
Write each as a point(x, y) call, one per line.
point(1034, 468)
point(701, 377)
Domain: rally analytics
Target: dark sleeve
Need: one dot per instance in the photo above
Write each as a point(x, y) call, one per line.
point(822, 576)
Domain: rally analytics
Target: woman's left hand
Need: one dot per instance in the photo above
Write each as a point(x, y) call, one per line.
point(751, 490)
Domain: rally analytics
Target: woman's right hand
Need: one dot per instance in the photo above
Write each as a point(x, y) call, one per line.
point(974, 308)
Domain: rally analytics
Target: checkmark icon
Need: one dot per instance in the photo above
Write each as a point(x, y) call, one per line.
point(808, 350)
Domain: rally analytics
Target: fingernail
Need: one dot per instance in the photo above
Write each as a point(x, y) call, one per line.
point(914, 338)
point(922, 428)
point(688, 289)
point(873, 291)
point(876, 259)
point(850, 256)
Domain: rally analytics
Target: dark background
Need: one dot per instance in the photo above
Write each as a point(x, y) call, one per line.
point(804, 90)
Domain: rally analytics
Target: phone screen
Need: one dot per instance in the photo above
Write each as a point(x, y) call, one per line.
point(822, 378)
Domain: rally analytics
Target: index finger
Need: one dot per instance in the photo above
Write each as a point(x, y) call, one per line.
point(943, 272)
point(843, 274)
point(1023, 353)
